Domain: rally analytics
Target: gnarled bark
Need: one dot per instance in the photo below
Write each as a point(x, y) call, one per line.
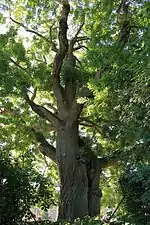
point(94, 192)
point(73, 175)
point(80, 172)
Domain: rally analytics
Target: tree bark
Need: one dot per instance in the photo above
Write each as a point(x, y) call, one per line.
point(94, 169)
point(73, 175)
point(94, 192)
point(80, 171)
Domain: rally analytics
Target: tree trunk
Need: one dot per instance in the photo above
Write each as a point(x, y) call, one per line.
point(79, 194)
point(73, 175)
point(94, 192)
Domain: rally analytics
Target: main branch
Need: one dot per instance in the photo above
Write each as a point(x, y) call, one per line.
point(45, 148)
point(59, 57)
point(43, 112)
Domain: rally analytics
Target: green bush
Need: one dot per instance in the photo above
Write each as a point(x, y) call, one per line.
point(21, 188)
point(86, 221)
point(135, 185)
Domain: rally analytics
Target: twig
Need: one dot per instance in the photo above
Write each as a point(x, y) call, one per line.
point(29, 30)
point(79, 47)
point(90, 125)
point(2, 6)
point(84, 38)
point(32, 215)
point(112, 215)
point(78, 31)
point(14, 62)
point(89, 121)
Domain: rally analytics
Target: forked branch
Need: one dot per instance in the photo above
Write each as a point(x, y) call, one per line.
point(75, 39)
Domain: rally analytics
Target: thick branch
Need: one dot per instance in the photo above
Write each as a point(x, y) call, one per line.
point(50, 105)
point(43, 112)
point(45, 148)
point(123, 35)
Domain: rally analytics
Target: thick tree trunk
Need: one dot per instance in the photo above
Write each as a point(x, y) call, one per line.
point(73, 175)
point(80, 194)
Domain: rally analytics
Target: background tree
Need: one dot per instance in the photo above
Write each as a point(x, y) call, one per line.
point(135, 187)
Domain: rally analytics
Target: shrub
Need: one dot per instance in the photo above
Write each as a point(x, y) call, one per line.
point(135, 185)
point(21, 188)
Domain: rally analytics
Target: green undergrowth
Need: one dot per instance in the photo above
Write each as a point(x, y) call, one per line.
point(86, 221)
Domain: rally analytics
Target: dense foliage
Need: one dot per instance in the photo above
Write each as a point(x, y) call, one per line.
point(135, 185)
point(21, 188)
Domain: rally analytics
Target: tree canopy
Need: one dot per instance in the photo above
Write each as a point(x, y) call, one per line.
point(75, 88)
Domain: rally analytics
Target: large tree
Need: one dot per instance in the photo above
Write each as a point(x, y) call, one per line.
point(66, 84)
